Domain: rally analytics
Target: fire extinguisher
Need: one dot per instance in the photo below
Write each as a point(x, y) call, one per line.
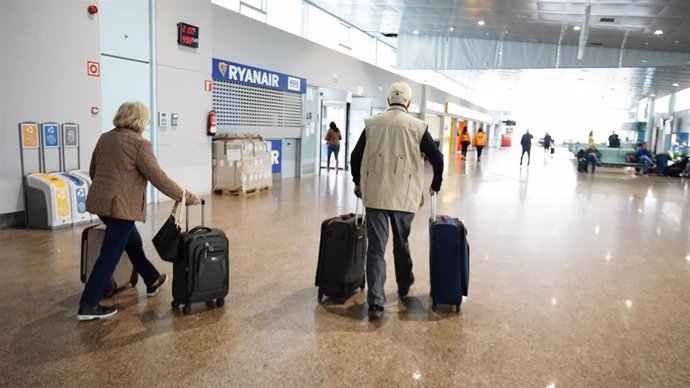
point(211, 123)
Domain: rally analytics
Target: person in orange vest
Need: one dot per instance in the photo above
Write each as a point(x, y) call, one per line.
point(465, 141)
point(479, 142)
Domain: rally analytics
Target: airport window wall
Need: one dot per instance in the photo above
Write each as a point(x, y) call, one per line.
point(301, 18)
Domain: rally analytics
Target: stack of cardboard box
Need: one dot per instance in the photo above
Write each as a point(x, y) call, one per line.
point(241, 163)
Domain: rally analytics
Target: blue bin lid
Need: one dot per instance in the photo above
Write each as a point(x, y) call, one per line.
point(77, 181)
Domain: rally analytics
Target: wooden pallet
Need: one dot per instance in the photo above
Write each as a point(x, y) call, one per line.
point(242, 192)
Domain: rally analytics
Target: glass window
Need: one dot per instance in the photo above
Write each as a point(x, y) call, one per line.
point(682, 100)
point(385, 56)
point(233, 5)
point(322, 28)
point(363, 46)
point(661, 105)
point(286, 15)
point(259, 5)
point(344, 35)
point(254, 9)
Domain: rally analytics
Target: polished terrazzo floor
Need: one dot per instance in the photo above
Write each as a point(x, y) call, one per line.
point(576, 281)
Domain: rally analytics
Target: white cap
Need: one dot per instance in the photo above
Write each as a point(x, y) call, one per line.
point(399, 93)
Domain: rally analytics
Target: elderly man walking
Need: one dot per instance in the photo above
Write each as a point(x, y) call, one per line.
point(388, 173)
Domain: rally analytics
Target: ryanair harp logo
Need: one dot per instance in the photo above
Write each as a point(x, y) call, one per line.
point(223, 68)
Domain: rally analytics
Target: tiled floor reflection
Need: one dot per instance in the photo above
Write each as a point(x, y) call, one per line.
point(577, 280)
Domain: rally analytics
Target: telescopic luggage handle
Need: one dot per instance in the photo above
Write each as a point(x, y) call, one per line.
point(433, 208)
point(203, 218)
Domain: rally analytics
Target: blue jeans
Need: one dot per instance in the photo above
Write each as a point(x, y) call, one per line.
point(120, 236)
point(593, 161)
point(647, 163)
point(377, 234)
point(333, 149)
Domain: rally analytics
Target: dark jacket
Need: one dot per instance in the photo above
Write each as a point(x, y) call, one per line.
point(547, 141)
point(526, 141)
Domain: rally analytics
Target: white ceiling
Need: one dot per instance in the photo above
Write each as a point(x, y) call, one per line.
point(551, 22)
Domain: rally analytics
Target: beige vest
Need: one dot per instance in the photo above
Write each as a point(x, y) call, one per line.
point(392, 172)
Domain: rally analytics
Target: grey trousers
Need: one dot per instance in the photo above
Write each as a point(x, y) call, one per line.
point(377, 234)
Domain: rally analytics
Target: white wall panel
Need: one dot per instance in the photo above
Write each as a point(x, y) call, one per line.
point(184, 151)
point(43, 78)
point(124, 28)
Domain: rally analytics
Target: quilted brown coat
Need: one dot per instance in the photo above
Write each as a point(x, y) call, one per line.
point(121, 165)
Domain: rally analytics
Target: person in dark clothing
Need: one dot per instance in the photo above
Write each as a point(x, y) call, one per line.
point(581, 160)
point(526, 143)
point(645, 156)
point(614, 141)
point(547, 143)
point(388, 173)
point(593, 157)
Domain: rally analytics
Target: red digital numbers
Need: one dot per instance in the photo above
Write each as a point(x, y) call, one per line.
point(188, 35)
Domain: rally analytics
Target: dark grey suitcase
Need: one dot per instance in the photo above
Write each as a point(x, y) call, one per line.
point(449, 259)
point(342, 254)
point(201, 272)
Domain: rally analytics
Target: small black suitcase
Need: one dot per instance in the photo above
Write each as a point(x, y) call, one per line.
point(449, 259)
point(201, 272)
point(342, 254)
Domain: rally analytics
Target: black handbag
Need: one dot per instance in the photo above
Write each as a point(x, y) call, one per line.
point(167, 240)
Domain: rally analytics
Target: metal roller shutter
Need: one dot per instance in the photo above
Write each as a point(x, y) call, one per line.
point(243, 107)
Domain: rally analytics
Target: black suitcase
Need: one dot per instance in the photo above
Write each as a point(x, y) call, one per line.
point(449, 259)
point(201, 272)
point(342, 254)
point(582, 165)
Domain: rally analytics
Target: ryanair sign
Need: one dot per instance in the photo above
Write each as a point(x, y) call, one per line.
point(234, 72)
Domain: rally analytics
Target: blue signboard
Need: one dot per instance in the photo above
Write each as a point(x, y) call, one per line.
point(51, 138)
point(235, 72)
point(276, 155)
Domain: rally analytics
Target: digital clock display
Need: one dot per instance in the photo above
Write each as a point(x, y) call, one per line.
point(187, 35)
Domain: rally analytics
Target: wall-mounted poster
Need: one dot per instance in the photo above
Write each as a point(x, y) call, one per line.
point(70, 135)
point(29, 135)
point(51, 136)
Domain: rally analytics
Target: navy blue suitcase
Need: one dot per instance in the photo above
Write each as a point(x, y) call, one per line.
point(449, 259)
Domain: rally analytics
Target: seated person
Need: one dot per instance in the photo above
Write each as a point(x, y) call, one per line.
point(581, 160)
point(593, 156)
point(645, 156)
point(614, 141)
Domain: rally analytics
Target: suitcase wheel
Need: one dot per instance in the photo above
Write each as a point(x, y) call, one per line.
point(319, 296)
point(457, 308)
point(187, 309)
point(175, 304)
point(433, 307)
point(220, 302)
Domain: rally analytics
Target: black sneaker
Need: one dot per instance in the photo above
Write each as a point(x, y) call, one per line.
point(375, 311)
point(97, 312)
point(404, 290)
point(152, 290)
